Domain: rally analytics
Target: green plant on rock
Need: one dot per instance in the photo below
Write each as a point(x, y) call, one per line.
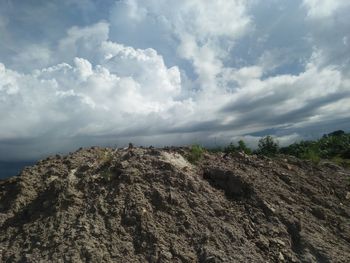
point(105, 157)
point(311, 154)
point(242, 147)
point(196, 153)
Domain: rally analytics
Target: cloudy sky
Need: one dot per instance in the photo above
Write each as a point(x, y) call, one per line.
point(82, 72)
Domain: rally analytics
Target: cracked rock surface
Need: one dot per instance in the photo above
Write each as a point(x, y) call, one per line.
point(152, 205)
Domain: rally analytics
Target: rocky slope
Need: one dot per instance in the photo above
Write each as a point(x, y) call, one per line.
point(152, 205)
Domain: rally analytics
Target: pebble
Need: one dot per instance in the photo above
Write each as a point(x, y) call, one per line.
point(347, 197)
point(279, 242)
point(281, 257)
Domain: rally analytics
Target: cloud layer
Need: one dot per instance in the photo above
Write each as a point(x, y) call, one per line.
point(160, 72)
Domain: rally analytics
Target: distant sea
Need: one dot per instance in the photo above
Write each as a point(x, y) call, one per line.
point(8, 169)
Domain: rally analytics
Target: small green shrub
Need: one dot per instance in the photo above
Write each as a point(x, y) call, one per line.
point(312, 155)
point(105, 157)
point(195, 154)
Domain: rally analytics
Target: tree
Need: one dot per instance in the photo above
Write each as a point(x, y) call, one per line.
point(268, 146)
point(335, 133)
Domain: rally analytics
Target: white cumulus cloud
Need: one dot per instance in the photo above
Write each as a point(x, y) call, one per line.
point(204, 30)
point(88, 99)
point(324, 8)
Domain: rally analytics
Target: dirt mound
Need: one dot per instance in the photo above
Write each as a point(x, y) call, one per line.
point(152, 205)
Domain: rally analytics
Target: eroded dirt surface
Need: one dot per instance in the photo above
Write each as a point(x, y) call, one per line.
point(152, 205)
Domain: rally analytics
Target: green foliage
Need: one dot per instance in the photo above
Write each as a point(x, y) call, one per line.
point(311, 154)
point(105, 157)
point(335, 134)
point(196, 153)
point(231, 148)
point(241, 147)
point(268, 146)
point(300, 149)
point(334, 146)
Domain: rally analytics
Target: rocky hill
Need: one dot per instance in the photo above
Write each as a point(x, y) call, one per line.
point(152, 205)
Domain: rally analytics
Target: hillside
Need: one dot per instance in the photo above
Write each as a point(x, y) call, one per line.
point(152, 205)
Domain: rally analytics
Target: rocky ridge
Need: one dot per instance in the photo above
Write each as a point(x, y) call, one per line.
point(152, 205)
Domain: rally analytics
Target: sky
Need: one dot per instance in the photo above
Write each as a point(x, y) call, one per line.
point(82, 72)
